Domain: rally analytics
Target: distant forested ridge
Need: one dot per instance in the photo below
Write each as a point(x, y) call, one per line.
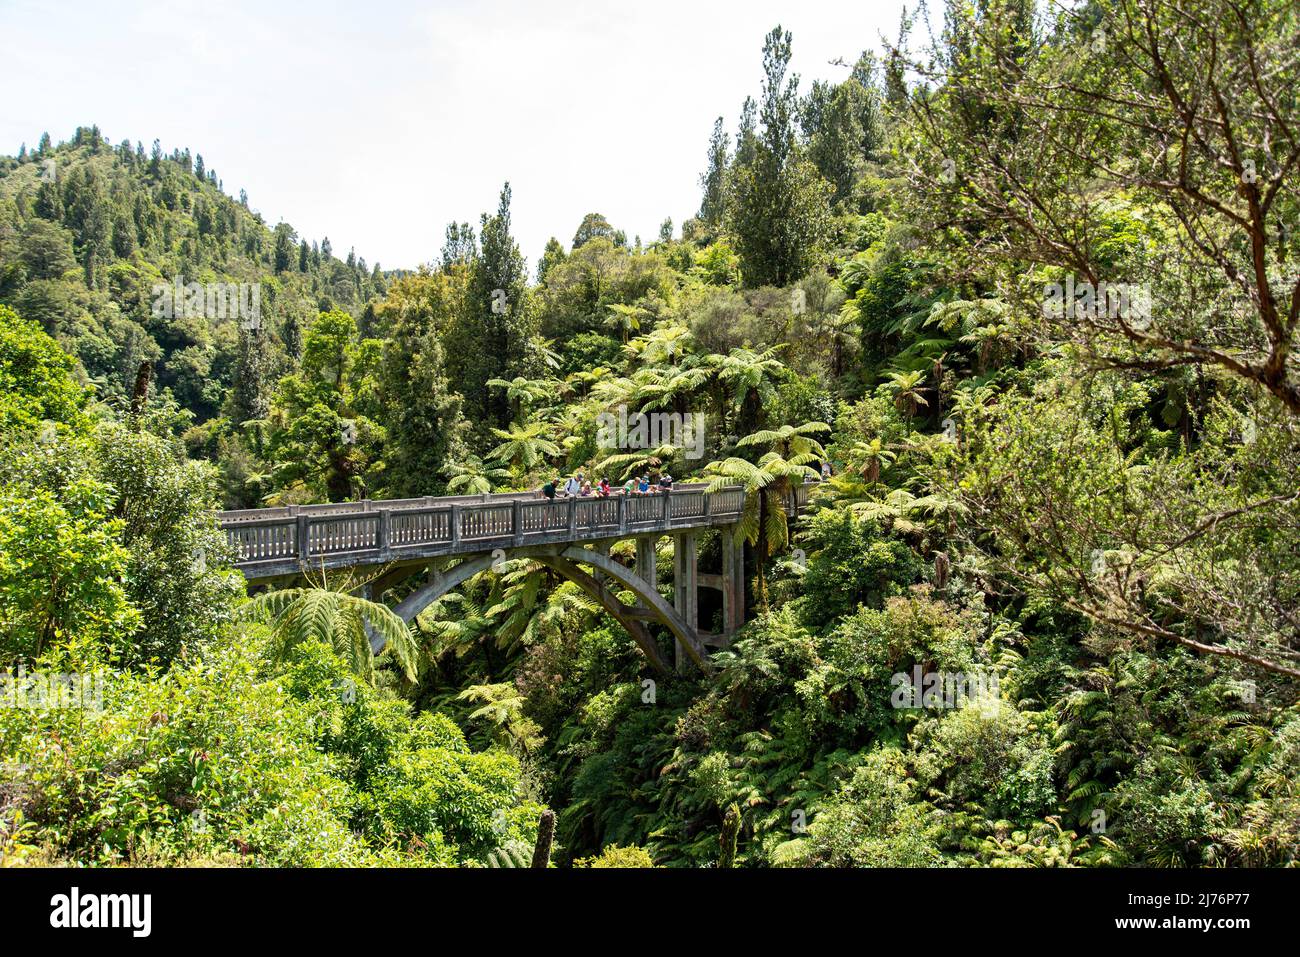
point(89, 230)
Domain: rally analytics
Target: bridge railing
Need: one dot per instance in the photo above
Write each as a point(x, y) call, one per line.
point(385, 530)
point(365, 505)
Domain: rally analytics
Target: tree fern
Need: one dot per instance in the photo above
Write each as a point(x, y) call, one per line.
point(345, 622)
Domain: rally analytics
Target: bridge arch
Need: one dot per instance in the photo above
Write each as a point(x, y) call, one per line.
point(652, 605)
point(617, 610)
point(666, 613)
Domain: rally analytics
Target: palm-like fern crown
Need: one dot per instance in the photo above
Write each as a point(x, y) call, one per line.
point(775, 469)
point(352, 626)
point(525, 445)
point(795, 440)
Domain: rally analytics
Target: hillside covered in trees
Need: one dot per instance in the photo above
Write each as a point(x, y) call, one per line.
point(1027, 288)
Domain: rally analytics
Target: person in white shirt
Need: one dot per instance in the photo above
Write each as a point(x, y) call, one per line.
point(572, 486)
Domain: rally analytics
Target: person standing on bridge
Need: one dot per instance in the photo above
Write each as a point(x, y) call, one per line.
point(548, 490)
point(604, 488)
point(629, 487)
point(573, 486)
point(666, 482)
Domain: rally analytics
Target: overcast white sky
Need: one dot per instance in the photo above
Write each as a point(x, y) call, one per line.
point(376, 123)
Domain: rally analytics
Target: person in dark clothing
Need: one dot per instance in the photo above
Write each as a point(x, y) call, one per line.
point(549, 488)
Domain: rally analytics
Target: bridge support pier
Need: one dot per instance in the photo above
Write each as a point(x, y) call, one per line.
point(733, 581)
point(645, 560)
point(600, 548)
point(685, 589)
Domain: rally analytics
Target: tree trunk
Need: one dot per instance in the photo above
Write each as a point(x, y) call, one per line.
point(545, 834)
point(140, 394)
point(730, 831)
point(761, 549)
point(941, 567)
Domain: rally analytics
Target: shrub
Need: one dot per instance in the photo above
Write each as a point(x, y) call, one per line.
point(873, 820)
point(208, 757)
point(61, 571)
point(1164, 815)
point(615, 856)
point(851, 564)
point(217, 762)
point(849, 690)
point(996, 759)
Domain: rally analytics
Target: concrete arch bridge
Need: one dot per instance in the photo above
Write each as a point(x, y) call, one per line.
point(446, 541)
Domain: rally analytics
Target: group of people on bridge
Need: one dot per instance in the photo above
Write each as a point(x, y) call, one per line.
point(577, 486)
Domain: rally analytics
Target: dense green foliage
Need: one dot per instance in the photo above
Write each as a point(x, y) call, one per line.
point(1089, 519)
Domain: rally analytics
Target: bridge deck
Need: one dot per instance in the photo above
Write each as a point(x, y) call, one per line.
point(275, 542)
